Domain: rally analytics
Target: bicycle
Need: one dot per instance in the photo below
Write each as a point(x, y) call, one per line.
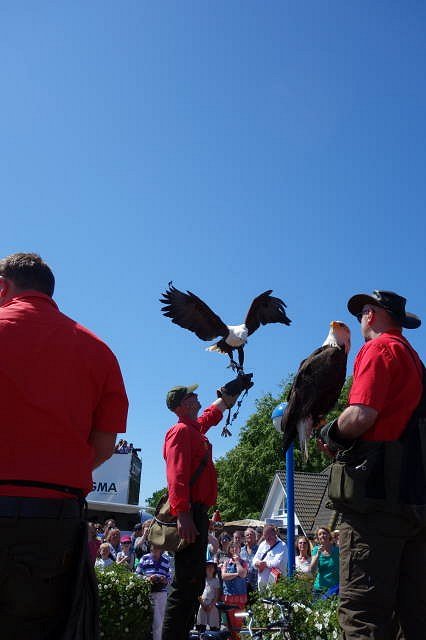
point(281, 626)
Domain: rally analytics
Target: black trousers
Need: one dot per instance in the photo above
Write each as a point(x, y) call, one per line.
point(188, 582)
point(40, 559)
point(382, 577)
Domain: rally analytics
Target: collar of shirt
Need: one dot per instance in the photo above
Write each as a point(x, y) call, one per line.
point(31, 296)
point(190, 423)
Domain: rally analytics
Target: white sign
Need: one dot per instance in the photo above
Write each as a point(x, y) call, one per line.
point(111, 479)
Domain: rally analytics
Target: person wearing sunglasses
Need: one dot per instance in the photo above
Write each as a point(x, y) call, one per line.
point(192, 485)
point(378, 481)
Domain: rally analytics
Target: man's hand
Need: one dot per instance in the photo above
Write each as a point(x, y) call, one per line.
point(231, 390)
point(331, 438)
point(261, 565)
point(324, 449)
point(186, 527)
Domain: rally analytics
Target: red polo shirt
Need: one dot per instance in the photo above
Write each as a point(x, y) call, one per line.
point(58, 382)
point(388, 378)
point(184, 448)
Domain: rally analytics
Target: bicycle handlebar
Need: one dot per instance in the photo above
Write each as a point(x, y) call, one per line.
point(277, 601)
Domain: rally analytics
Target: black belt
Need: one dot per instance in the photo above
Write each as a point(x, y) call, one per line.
point(20, 507)
point(199, 506)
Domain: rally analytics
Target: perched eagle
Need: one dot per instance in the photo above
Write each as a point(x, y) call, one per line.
point(190, 312)
point(316, 387)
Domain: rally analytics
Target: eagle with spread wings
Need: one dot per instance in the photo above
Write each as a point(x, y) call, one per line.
point(190, 312)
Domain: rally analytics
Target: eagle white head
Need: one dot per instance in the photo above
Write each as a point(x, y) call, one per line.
point(338, 336)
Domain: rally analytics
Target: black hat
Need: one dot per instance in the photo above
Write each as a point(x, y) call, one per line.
point(177, 394)
point(388, 300)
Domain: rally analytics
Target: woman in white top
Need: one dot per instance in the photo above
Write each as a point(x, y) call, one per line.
point(303, 559)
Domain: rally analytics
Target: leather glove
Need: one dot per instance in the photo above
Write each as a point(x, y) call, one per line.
point(232, 389)
point(331, 436)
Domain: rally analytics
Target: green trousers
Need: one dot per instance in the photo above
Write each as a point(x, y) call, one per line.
point(382, 577)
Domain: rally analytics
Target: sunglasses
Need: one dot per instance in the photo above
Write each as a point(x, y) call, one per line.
point(363, 312)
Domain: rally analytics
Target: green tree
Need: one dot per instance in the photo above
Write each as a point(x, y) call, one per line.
point(154, 499)
point(246, 471)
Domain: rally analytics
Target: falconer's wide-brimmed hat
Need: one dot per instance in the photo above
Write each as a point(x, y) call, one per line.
point(393, 303)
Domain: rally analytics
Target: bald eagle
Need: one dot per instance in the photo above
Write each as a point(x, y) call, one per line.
point(190, 312)
point(316, 387)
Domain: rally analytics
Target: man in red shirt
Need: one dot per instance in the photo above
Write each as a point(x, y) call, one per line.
point(382, 544)
point(63, 402)
point(188, 455)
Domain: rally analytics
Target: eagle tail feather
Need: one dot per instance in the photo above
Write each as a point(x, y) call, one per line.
point(304, 430)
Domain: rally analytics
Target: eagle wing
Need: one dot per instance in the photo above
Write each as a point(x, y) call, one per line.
point(315, 390)
point(190, 312)
point(265, 309)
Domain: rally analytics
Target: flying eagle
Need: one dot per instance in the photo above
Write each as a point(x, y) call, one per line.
point(316, 387)
point(190, 312)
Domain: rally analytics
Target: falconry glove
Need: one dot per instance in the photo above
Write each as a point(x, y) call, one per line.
point(332, 437)
point(231, 390)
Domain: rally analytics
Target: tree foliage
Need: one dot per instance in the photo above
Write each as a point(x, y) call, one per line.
point(155, 498)
point(246, 471)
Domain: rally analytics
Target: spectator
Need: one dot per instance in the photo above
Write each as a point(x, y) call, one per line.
point(259, 535)
point(126, 557)
point(155, 567)
point(234, 573)
point(208, 613)
point(93, 542)
point(137, 532)
point(271, 558)
point(247, 553)
point(325, 562)
point(109, 524)
point(104, 558)
point(303, 555)
point(238, 537)
point(222, 554)
point(212, 542)
point(118, 446)
point(113, 537)
point(217, 518)
point(141, 545)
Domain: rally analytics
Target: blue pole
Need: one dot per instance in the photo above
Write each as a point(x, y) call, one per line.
point(289, 471)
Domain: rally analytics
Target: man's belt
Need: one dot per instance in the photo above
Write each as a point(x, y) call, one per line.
point(77, 493)
point(199, 506)
point(51, 508)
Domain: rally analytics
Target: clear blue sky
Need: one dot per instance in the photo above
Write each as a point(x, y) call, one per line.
point(229, 146)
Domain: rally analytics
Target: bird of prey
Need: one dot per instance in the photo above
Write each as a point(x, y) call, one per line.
point(316, 387)
point(190, 312)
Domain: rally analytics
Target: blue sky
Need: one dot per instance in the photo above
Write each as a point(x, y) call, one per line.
point(231, 147)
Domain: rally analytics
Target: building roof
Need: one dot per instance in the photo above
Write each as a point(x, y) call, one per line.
point(310, 498)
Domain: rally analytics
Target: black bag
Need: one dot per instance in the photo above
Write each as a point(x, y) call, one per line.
point(163, 531)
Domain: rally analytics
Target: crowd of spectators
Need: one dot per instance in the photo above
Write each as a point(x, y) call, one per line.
point(236, 565)
point(123, 447)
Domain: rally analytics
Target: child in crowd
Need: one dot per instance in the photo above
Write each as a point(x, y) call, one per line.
point(155, 567)
point(208, 613)
point(234, 573)
point(126, 556)
point(104, 559)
